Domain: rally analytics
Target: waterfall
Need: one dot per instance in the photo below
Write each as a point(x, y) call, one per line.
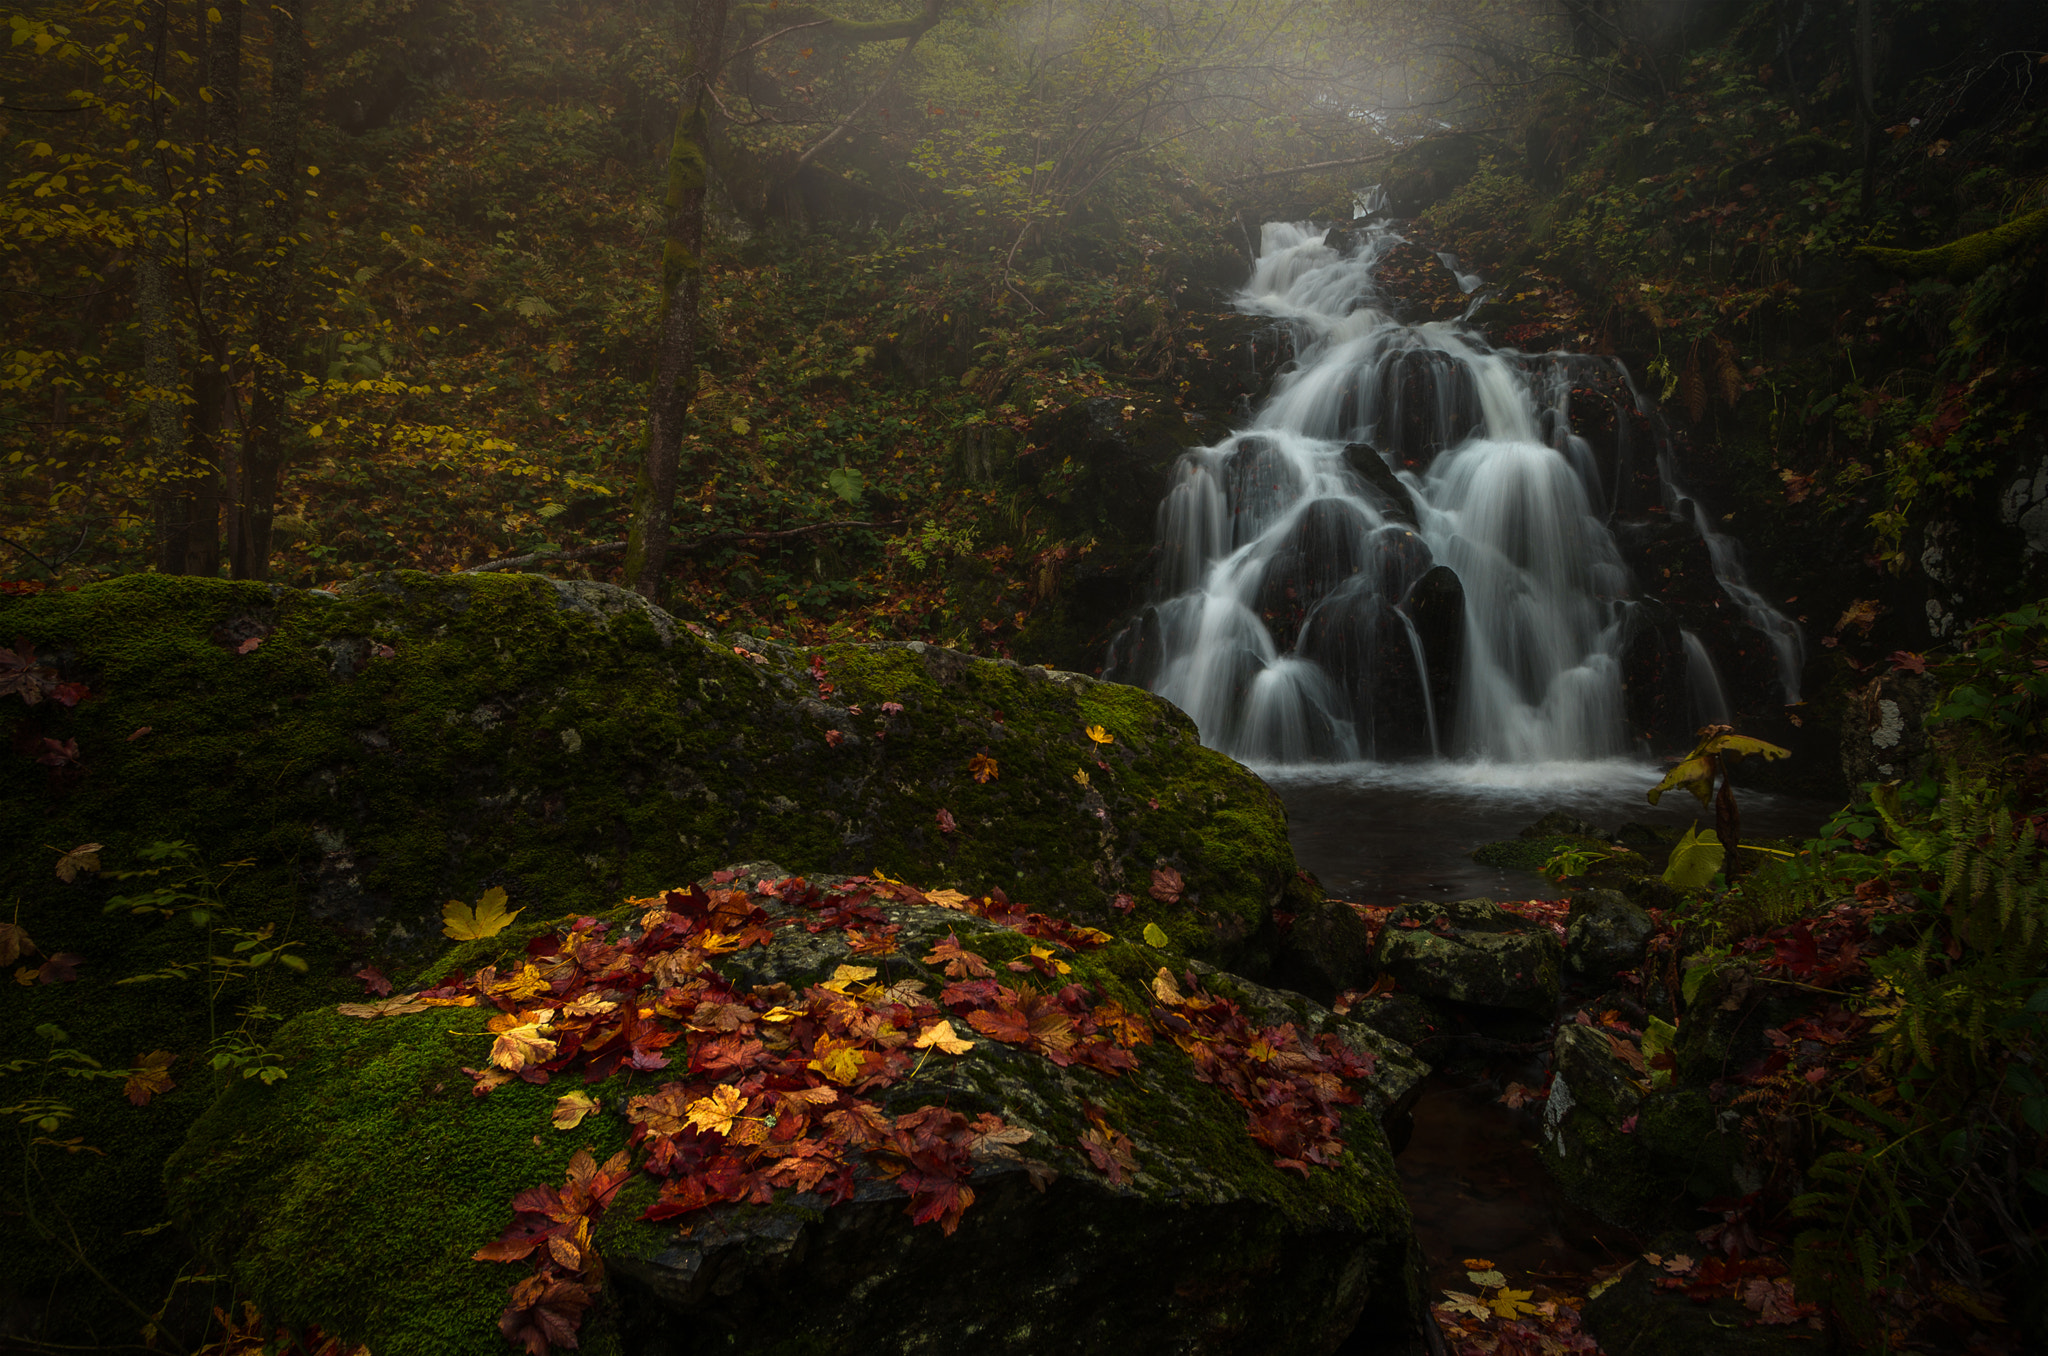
point(1408, 550)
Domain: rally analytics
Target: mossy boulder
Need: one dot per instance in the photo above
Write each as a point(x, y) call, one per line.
point(1207, 1246)
point(1634, 1155)
point(419, 738)
point(1473, 951)
point(1605, 934)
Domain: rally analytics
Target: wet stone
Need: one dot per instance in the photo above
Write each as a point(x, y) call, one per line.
point(1472, 951)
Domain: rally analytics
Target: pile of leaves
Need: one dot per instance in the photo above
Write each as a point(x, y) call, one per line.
point(770, 1088)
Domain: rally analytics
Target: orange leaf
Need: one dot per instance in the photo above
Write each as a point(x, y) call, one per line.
point(149, 1077)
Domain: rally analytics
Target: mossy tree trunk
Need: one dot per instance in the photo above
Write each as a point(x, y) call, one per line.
point(682, 285)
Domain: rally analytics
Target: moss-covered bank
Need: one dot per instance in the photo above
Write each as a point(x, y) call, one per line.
point(420, 738)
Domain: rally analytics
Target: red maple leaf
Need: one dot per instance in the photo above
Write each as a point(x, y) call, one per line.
point(1006, 1024)
point(374, 981)
point(957, 962)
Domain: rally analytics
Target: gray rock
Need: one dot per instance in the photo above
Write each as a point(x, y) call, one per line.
point(1324, 951)
point(1605, 934)
point(1472, 951)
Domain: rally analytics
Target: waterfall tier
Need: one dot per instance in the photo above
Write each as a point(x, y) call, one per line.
point(1410, 551)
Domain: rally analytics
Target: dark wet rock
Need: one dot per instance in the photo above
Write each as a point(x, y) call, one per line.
point(1638, 1159)
point(1605, 934)
point(1437, 607)
point(1564, 824)
point(1656, 699)
point(1427, 403)
point(1373, 470)
point(1323, 948)
point(1635, 1317)
point(1884, 729)
point(1229, 360)
point(1408, 1018)
point(1472, 951)
point(1208, 1247)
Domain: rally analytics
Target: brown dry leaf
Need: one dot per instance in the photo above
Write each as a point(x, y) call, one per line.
point(947, 899)
point(84, 857)
point(149, 1077)
point(395, 1006)
point(14, 943)
point(983, 767)
point(1165, 990)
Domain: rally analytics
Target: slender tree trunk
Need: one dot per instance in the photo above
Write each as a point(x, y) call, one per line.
point(682, 285)
point(215, 217)
point(1866, 105)
point(262, 459)
point(159, 331)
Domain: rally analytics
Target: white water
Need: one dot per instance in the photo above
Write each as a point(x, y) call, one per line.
point(1289, 627)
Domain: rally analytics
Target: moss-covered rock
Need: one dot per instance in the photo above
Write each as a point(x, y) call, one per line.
point(1473, 951)
point(1605, 934)
point(418, 738)
point(1636, 1156)
point(1207, 1247)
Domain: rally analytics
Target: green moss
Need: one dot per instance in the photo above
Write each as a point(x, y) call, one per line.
point(534, 736)
point(1529, 854)
point(1961, 260)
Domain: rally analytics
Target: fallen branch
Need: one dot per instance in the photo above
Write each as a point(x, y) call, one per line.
point(1304, 169)
point(689, 544)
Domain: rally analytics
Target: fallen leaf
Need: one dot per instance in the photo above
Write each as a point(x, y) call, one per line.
point(1166, 885)
point(1081, 776)
point(61, 968)
point(1165, 990)
point(983, 767)
point(85, 857)
point(14, 943)
point(572, 1107)
point(1488, 1279)
point(1100, 735)
point(1511, 1303)
point(947, 899)
point(374, 981)
point(488, 919)
point(149, 1077)
point(847, 975)
point(1155, 935)
point(521, 1048)
point(250, 645)
point(947, 824)
point(390, 1007)
point(715, 1114)
point(940, 1036)
point(1471, 1306)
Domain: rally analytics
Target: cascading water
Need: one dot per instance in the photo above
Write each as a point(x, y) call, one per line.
point(1408, 552)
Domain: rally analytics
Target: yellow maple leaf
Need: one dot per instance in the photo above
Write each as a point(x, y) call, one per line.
point(149, 1076)
point(983, 767)
point(717, 1112)
point(1100, 735)
point(940, 1036)
point(525, 984)
point(847, 975)
point(947, 899)
point(1511, 1303)
point(572, 1107)
point(520, 1047)
point(1081, 776)
point(488, 919)
point(842, 1065)
point(1471, 1306)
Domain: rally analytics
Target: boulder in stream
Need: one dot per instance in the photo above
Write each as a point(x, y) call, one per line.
point(1605, 934)
point(1472, 951)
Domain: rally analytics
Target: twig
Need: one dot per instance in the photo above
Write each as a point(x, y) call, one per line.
point(48, 568)
point(691, 544)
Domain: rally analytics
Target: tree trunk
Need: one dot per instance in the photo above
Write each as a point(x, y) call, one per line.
point(216, 218)
point(1866, 105)
point(159, 332)
point(682, 285)
point(262, 459)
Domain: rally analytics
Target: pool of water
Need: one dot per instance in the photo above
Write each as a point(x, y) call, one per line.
point(1380, 833)
point(1376, 833)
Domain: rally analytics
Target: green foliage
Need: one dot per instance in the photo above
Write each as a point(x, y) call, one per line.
point(1694, 861)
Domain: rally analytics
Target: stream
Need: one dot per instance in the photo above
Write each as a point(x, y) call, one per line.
point(1411, 592)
